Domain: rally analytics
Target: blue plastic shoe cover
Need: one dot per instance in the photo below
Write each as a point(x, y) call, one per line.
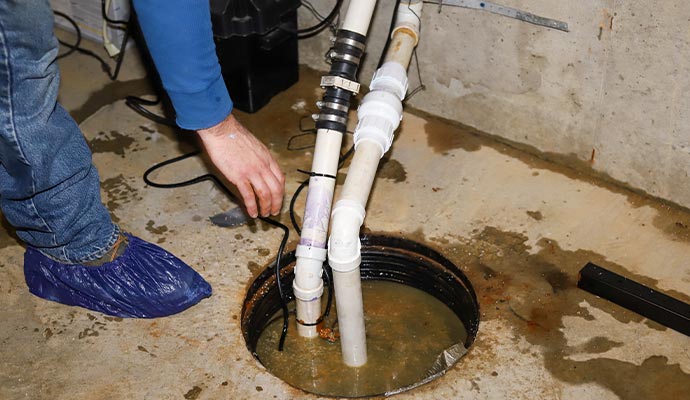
point(143, 282)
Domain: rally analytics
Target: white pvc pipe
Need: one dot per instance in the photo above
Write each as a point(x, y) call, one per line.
point(362, 172)
point(358, 16)
point(379, 116)
point(404, 41)
point(308, 288)
point(328, 142)
point(311, 251)
point(351, 317)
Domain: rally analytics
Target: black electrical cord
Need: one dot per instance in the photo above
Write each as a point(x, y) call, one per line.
point(421, 87)
point(390, 32)
point(295, 195)
point(104, 14)
point(286, 231)
point(137, 104)
point(321, 25)
point(221, 185)
point(76, 47)
point(76, 44)
point(283, 242)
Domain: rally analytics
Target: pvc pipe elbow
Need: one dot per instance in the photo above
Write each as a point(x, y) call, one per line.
point(344, 247)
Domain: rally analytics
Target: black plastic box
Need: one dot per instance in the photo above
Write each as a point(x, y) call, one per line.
point(256, 43)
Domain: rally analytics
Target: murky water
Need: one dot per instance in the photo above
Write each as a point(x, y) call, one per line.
point(407, 329)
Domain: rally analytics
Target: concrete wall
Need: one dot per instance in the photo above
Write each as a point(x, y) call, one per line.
point(613, 93)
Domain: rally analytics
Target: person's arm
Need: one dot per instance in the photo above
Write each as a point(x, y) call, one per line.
point(180, 39)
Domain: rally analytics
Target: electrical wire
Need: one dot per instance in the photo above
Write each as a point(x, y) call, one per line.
point(314, 30)
point(76, 47)
point(221, 185)
point(76, 44)
point(304, 132)
point(104, 14)
point(341, 161)
point(421, 87)
point(390, 32)
point(137, 104)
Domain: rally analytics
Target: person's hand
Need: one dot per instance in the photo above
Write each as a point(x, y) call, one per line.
point(247, 163)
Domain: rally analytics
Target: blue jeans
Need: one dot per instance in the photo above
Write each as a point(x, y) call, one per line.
point(49, 188)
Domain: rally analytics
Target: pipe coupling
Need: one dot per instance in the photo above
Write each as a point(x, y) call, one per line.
point(379, 116)
point(391, 77)
point(307, 294)
point(311, 252)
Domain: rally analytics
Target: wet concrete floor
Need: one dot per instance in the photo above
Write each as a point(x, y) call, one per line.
point(520, 228)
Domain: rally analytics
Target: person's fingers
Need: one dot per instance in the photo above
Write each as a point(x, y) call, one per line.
point(276, 191)
point(263, 193)
point(248, 197)
point(278, 173)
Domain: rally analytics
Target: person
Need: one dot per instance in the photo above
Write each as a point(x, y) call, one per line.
point(50, 190)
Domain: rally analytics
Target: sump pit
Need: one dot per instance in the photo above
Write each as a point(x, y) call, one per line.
point(421, 316)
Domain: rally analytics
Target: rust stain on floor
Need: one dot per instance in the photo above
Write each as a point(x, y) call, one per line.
point(533, 292)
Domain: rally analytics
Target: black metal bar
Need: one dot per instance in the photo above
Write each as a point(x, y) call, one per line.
point(636, 297)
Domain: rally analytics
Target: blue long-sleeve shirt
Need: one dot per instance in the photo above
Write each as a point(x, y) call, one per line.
point(180, 39)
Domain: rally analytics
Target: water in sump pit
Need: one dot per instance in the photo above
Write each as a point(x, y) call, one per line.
point(406, 328)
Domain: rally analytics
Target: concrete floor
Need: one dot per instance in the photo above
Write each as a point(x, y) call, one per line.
point(521, 229)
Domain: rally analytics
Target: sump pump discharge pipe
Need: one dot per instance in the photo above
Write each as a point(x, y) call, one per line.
point(331, 124)
point(379, 116)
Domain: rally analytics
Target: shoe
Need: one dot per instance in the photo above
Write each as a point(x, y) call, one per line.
point(145, 281)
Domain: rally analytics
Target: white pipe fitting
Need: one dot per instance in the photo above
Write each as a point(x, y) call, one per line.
point(408, 17)
point(308, 285)
point(391, 77)
point(344, 248)
point(379, 116)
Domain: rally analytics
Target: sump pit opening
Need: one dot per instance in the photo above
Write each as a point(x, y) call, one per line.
point(388, 260)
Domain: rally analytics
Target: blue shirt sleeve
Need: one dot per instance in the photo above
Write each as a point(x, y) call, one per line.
point(180, 39)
